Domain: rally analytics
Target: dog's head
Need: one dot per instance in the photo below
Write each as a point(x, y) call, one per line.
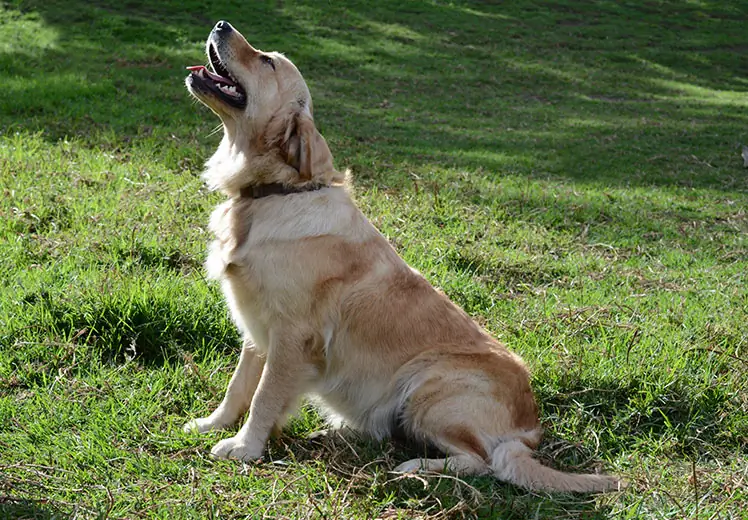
point(266, 110)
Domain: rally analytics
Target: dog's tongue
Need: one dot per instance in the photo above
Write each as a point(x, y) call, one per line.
point(199, 69)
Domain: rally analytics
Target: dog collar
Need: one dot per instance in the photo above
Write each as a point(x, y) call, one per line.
point(258, 191)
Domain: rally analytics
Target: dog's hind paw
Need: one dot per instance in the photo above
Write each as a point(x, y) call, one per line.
point(333, 434)
point(409, 466)
point(202, 425)
point(233, 448)
point(319, 435)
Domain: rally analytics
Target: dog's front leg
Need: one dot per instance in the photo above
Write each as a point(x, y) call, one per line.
point(287, 373)
point(238, 394)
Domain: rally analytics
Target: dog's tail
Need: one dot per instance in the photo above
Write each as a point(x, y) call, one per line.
point(513, 462)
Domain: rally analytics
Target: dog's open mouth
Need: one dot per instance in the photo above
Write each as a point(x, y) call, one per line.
point(218, 82)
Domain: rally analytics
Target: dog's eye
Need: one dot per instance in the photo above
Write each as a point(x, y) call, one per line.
point(267, 60)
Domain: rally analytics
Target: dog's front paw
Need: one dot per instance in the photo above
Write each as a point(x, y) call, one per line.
point(202, 425)
point(233, 448)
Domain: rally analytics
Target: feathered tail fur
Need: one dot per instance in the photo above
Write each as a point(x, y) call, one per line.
point(513, 462)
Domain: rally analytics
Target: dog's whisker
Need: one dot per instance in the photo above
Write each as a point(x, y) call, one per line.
point(215, 130)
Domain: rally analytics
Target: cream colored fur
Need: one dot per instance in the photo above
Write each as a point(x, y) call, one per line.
point(328, 309)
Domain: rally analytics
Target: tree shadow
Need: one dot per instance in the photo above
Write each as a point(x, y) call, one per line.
point(510, 89)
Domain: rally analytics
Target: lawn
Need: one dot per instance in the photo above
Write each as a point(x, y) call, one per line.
point(570, 173)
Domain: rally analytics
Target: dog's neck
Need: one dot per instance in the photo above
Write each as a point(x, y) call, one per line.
point(258, 191)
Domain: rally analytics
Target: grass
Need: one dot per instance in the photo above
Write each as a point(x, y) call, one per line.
point(568, 172)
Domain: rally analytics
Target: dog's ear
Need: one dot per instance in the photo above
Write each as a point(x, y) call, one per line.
point(305, 149)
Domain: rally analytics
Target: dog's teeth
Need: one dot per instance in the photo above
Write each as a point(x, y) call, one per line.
point(227, 89)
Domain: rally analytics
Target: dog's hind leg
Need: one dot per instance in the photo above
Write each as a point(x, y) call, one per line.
point(238, 394)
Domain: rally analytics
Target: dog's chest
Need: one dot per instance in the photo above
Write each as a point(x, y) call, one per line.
point(261, 281)
point(230, 224)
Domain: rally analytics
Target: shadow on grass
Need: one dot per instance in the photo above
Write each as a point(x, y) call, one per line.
point(365, 466)
point(151, 328)
point(649, 91)
point(11, 508)
point(686, 422)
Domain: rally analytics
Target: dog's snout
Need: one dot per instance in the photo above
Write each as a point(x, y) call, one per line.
point(223, 27)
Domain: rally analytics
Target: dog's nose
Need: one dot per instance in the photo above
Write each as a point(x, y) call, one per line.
point(223, 26)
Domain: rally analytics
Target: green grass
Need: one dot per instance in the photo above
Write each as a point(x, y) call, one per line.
point(568, 172)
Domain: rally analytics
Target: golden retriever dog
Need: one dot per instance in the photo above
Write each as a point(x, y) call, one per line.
point(328, 309)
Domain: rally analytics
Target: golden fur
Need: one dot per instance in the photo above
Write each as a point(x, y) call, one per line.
point(327, 308)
